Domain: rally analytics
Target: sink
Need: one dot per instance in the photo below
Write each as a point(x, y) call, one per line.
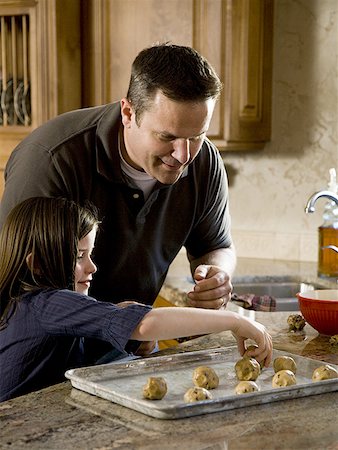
point(283, 292)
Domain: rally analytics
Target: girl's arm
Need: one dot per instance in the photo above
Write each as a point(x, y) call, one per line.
point(169, 323)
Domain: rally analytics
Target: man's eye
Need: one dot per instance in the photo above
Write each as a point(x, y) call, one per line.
point(166, 138)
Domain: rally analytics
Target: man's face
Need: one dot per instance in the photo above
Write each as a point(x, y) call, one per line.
point(168, 138)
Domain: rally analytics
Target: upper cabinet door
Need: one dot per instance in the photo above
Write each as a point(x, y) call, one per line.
point(248, 74)
point(234, 35)
point(40, 66)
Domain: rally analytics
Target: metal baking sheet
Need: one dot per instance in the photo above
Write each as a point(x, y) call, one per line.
point(122, 383)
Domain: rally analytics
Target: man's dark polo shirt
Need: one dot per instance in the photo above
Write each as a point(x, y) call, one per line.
point(76, 156)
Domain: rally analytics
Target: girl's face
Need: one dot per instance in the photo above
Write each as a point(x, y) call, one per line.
point(84, 265)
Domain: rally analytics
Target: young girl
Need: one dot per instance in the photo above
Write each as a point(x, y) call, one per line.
point(45, 312)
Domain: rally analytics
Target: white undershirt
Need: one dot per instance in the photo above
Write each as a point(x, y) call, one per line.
point(141, 179)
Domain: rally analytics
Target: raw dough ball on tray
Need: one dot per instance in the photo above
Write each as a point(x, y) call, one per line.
point(197, 394)
point(205, 377)
point(283, 378)
point(155, 389)
point(325, 372)
point(245, 387)
point(250, 347)
point(284, 363)
point(253, 347)
point(247, 369)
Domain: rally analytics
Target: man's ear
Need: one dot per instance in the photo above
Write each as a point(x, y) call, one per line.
point(126, 112)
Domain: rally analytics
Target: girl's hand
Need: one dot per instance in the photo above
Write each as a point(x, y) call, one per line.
point(248, 329)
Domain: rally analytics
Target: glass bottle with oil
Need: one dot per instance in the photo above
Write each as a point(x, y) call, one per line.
point(328, 235)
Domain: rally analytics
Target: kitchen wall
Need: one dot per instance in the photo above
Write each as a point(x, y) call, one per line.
point(269, 188)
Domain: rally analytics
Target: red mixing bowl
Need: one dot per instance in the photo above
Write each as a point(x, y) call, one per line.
point(320, 309)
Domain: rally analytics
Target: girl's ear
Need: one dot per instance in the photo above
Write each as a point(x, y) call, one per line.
point(29, 260)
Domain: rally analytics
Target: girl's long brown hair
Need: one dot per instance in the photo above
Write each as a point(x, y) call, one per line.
point(49, 229)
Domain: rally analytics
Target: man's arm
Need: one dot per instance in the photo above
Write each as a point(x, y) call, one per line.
point(212, 274)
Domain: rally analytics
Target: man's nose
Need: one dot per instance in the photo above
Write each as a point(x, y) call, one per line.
point(181, 150)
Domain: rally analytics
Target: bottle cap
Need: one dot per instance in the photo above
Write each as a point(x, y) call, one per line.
point(332, 185)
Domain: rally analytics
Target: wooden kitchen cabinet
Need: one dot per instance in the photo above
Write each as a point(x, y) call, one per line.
point(235, 36)
point(67, 54)
point(40, 66)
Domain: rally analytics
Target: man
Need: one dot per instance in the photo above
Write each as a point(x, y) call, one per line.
point(157, 181)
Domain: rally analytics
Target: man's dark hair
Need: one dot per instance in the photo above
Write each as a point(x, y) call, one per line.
point(179, 72)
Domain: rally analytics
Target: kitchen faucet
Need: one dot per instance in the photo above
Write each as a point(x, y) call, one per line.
point(310, 206)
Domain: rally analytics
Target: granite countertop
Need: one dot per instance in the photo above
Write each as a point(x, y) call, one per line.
point(62, 417)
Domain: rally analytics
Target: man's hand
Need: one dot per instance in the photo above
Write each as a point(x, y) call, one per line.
point(145, 348)
point(213, 288)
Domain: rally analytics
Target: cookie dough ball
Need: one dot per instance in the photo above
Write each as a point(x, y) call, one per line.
point(334, 340)
point(296, 322)
point(155, 389)
point(284, 363)
point(197, 394)
point(245, 387)
point(205, 377)
point(249, 348)
point(253, 347)
point(247, 369)
point(283, 378)
point(326, 372)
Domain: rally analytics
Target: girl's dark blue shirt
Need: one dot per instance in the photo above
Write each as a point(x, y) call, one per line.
point(43, 338)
